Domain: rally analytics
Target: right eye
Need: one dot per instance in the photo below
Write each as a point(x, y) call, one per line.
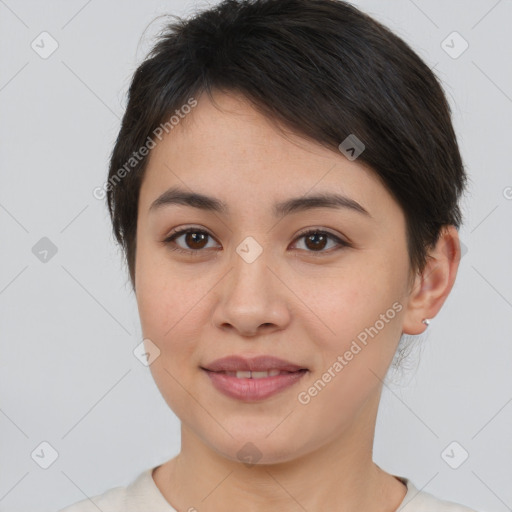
point(193, 237)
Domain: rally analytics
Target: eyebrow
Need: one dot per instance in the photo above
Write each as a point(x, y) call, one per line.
point(176, 195)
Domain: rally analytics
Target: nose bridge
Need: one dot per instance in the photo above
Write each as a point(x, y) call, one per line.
point(251, 296)
point(250, 283)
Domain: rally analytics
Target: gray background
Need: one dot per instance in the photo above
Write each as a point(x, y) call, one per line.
point(68, 376)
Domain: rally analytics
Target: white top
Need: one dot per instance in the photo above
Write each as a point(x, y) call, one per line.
point(143, 494)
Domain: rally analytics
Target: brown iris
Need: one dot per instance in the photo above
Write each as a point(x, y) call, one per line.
point(317, 240)
point(196, 240)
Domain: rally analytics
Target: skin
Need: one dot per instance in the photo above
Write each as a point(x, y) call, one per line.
point(290, 302)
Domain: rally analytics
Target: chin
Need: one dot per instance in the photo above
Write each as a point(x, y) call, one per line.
point(252, 448)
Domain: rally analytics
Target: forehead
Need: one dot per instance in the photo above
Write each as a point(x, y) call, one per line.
point(232, 151)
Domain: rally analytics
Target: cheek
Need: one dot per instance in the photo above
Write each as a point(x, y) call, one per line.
point(171, 315)
point(167, 318)
point(161, 295)
point(347, 302)
point(167, 314)
point(360, 312)
point(355, 359)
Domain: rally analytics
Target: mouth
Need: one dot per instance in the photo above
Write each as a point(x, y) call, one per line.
point(265, 363)
point(253, 379)
point(243, 374)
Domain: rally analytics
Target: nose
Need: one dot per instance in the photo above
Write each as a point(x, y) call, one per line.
point(252, 299)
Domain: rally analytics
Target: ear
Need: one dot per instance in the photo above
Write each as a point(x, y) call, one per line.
point(431, 288)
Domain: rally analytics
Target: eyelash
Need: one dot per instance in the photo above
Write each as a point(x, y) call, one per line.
point(170, 240)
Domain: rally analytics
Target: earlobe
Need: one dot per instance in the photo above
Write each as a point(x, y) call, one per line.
point(432, 287)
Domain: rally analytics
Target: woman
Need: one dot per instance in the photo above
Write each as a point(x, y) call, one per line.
point(285, 186)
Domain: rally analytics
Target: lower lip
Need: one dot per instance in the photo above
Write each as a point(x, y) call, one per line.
point(252, 390)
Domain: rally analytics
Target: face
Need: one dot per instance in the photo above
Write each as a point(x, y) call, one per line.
point(248, 280)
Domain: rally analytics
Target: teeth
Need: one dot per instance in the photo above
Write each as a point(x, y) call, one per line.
point(255, 375)
point(260, 375)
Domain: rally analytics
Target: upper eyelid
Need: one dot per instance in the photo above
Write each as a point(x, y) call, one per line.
point(183, 231)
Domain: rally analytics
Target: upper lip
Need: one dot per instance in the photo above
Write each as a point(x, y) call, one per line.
point(253, 364)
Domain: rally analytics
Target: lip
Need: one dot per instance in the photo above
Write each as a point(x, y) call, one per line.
point(253, 364)
point(250, 389)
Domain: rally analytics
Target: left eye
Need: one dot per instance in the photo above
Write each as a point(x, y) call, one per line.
point(315, 240)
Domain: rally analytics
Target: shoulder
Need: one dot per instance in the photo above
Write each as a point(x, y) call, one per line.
point(421, 501)
point(140, 493)
point(110, 501)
